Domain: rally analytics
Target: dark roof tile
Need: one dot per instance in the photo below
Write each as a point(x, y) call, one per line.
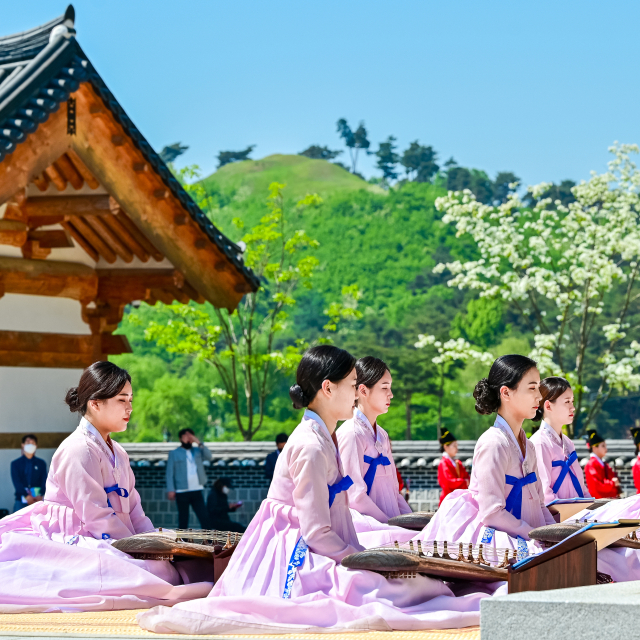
point(38, 72)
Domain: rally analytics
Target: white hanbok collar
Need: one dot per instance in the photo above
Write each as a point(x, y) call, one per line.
point(448, 457)
point(546, 428)
point(503, 425)
point(362, 418)
point(92, 431)
point(320, 428)
point(600, 460)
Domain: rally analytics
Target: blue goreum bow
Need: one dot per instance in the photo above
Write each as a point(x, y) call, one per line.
point(338, 487)
point(566, 468)
point(514, 499)
point(123, 493)
point(373, 463)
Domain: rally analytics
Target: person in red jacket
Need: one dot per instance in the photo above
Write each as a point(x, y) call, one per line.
point(635, 432)
point(451, 472)
point(602, 480)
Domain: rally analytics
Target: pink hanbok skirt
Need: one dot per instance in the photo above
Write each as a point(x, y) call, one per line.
point(372, 533)
point(46, 565)
point(620, 563)
point(324, 596)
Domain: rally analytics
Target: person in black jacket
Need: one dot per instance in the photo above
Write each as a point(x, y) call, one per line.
point(219, 507)
point(29, 474)
point(272, 458)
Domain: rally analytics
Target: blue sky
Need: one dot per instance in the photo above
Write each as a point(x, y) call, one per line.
point(539, 88)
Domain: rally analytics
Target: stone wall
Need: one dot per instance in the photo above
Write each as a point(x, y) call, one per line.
point(416, 460)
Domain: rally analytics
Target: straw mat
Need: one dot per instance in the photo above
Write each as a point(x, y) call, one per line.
point(122, 624)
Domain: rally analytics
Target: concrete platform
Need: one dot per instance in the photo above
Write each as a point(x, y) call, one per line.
point(103, 625)
point(588, 613)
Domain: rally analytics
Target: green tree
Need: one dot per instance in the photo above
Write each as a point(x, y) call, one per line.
point(419, 162)
point(226, 157)
point(316, 152)
point(353, 140)
point(502, 186)
point(388, 159)
point(244, 347)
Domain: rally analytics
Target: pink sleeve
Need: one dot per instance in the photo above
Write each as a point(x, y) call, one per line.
point(352, 457)
point(139, 520)
point(548, 518)
point(403, 505)
point(80, 478)
point(489, 465)
point(543, 456)
point(579, 473)
point(308, 469)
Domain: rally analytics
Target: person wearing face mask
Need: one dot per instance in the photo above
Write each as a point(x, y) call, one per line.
point(29, 474)
point(218, 507)
point(57, 553)
point(186, 478)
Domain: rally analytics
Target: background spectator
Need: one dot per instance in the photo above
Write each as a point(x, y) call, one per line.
point(186, 478)
point(219, 507)
point(29, 474)
point(272, 458)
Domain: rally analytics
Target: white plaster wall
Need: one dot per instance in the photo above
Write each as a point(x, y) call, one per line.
point(32, 399)
point(41, 313)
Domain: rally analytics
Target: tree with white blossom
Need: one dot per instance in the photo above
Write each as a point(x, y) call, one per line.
point(571, 271)
point(449, 353)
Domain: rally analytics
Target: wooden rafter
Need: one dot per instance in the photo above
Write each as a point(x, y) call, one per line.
point(63, 206)
point(148, 202)
point(81, 168)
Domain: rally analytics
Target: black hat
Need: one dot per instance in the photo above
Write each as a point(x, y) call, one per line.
point(447, 437)
point(593, 438)
point(635, 434)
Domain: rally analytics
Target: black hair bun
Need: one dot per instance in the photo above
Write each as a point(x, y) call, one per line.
point(487, 399)
point(72, 400)
point(298, 397)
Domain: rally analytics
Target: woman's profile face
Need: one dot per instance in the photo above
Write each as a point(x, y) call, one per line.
point(343, 396)
point(113, 414)
point(561, 409)
point(525, 399)
point(451, 448)
point(377, 398)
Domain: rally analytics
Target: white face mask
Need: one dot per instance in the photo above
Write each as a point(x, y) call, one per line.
point(225, 490)
point(30, 448)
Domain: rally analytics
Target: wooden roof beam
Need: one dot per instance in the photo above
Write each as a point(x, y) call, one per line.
point(66, 168)
point(48, 278)
point(78, 206)
point(112, 239)
point(80, 166)
point(60, 350)
point(94, 239)
point(81, 240)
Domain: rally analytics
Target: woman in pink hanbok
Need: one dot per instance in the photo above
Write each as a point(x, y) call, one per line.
point(56, 555)
point(505, 498)
point(365, 451)
point(559, 468)
point(285, 575)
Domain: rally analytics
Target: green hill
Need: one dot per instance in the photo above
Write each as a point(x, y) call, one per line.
point(301, 175)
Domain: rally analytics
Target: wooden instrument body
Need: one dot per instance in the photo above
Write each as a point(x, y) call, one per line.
point(570, 562)
point(415, 521)
point(175, 545)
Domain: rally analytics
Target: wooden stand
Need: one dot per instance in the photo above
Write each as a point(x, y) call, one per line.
point(573, 568)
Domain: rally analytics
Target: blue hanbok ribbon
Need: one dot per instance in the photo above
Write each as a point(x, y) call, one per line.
point(374, 463)
point(338, 487)
point(566, 468)
point(295, 562)
point(514, 499)
point(123, 493)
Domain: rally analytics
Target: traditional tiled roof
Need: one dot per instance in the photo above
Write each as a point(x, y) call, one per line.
point(39, 69)
point(407, 453)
